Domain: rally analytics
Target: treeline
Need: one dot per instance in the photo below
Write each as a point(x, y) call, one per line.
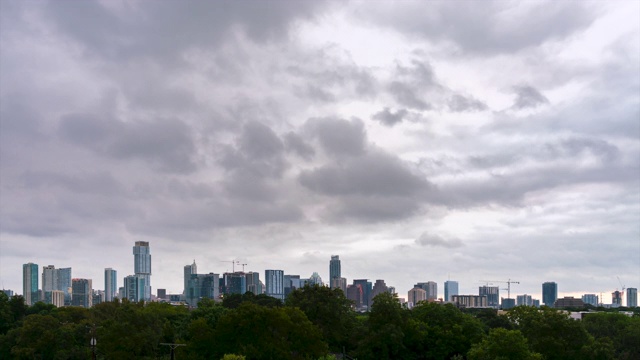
point(313, 323)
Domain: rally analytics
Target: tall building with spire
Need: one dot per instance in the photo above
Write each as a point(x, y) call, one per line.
point(142, 266)
point(30, 283)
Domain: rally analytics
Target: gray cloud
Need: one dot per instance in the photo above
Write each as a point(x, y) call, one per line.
point(295, 143)
point(486, 27)
point(528, 97)
point(389, 118)
point(460, 103)
point(429, 239)
point(167, 144)
point(338, 136)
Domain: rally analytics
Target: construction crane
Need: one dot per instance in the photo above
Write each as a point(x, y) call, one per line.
point(243, 265)
point(233, 263)
point(508, 282)
point(623, 287)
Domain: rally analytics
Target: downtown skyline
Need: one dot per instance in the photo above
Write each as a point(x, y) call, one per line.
point(420, 141)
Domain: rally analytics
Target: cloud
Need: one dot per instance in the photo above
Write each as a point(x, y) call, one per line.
point(460, 103)
point(388, 118)
point(338, 137)
point(428, 239)
point(528, 97)
point(294, 142)
point(166, 143)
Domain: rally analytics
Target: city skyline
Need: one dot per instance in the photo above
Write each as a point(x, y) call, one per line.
point(419, 141)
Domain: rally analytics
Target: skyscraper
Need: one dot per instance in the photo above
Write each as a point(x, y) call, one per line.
point(416, 295)
point(64, 284)
point(616, 298)
point(549, 293)
point(81, 293)
point(378, 288)
point(524, 300)
point(110, 284)
point(188, 271)
point(254, 284)
point(450, 289)
point(134, 287)
point(142, 266)
point(591, 299)
point(30, 283)
point(274, 283)
point(334, 268)
point(235, 283)
point(202, 286)
point(431, 287)
point(493, 295)
point(632, 297)
point(365, 288)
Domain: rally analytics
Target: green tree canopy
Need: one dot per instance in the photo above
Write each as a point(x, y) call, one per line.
point(502, 344)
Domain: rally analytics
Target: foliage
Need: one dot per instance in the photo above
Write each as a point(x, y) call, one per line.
point(232, 357)
point(329, 310)
point(502, 344)
point(387, 325)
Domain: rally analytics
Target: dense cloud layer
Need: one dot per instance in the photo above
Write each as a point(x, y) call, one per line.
point(494, 140)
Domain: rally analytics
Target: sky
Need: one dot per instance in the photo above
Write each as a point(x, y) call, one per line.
point(419, 141)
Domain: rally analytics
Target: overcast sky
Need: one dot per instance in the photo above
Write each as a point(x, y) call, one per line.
point(417, 140)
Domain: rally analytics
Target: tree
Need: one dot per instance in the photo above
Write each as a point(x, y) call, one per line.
point(329, 310)
point(443, 330)
point(268, 333)
point(386, 332)
point(550, 332)
point(502, 344)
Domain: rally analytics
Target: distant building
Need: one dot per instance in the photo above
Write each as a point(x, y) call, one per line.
point(8, 292)
point(549, 293)
point(30, 283)
point(110, 284)
point(49, 282)
point(339, 283)
point(142, 266)
point(524, 300)
point(290, 283)
point(378, 288)
point(203, 286)
point(315, 279)
point(188, 271)
point(54, 297)
point(98, 297)
point(274, 283)
point(536, 303)
point(134, 288)
point(81, 293)
point(416, 295)
point(64, 284)
point(632, 297)
point(254, 285)
point(568, 302)
point(470, 301)
point(508, 303)
point(616, 298)
point(162, 293)
point(235, 283)
point(335, 270)
point(431, 287)
point(492, 293)
point(365, 290)
point(450, 289)
point(591, 299)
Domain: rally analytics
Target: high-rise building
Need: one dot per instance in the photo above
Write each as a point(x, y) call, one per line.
point(290, 283)
point(274, 283)
point(591, 299)
point(339, 283)
point(315, 279)
point(7, 292)
point(632, 297)
point(334, 268)
point(431, 287)
point(64, 284)
point(549, 293)
point(524, 300)
point(110, 284)
point(81, 293)
point(30, 283)
point(450, 289)
point(508, 303)
point(235, 283)
point(202, 286)
point(134, 287)
point(493, 295)
point(365, 288)
point(54, 297)
point(378, 288)
point(142, 266)
point(470, 301)
point(416, 295)
point(188, 271)
point(616, 298)
point(162, 293)
point(49, 282)
point(254, 284)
